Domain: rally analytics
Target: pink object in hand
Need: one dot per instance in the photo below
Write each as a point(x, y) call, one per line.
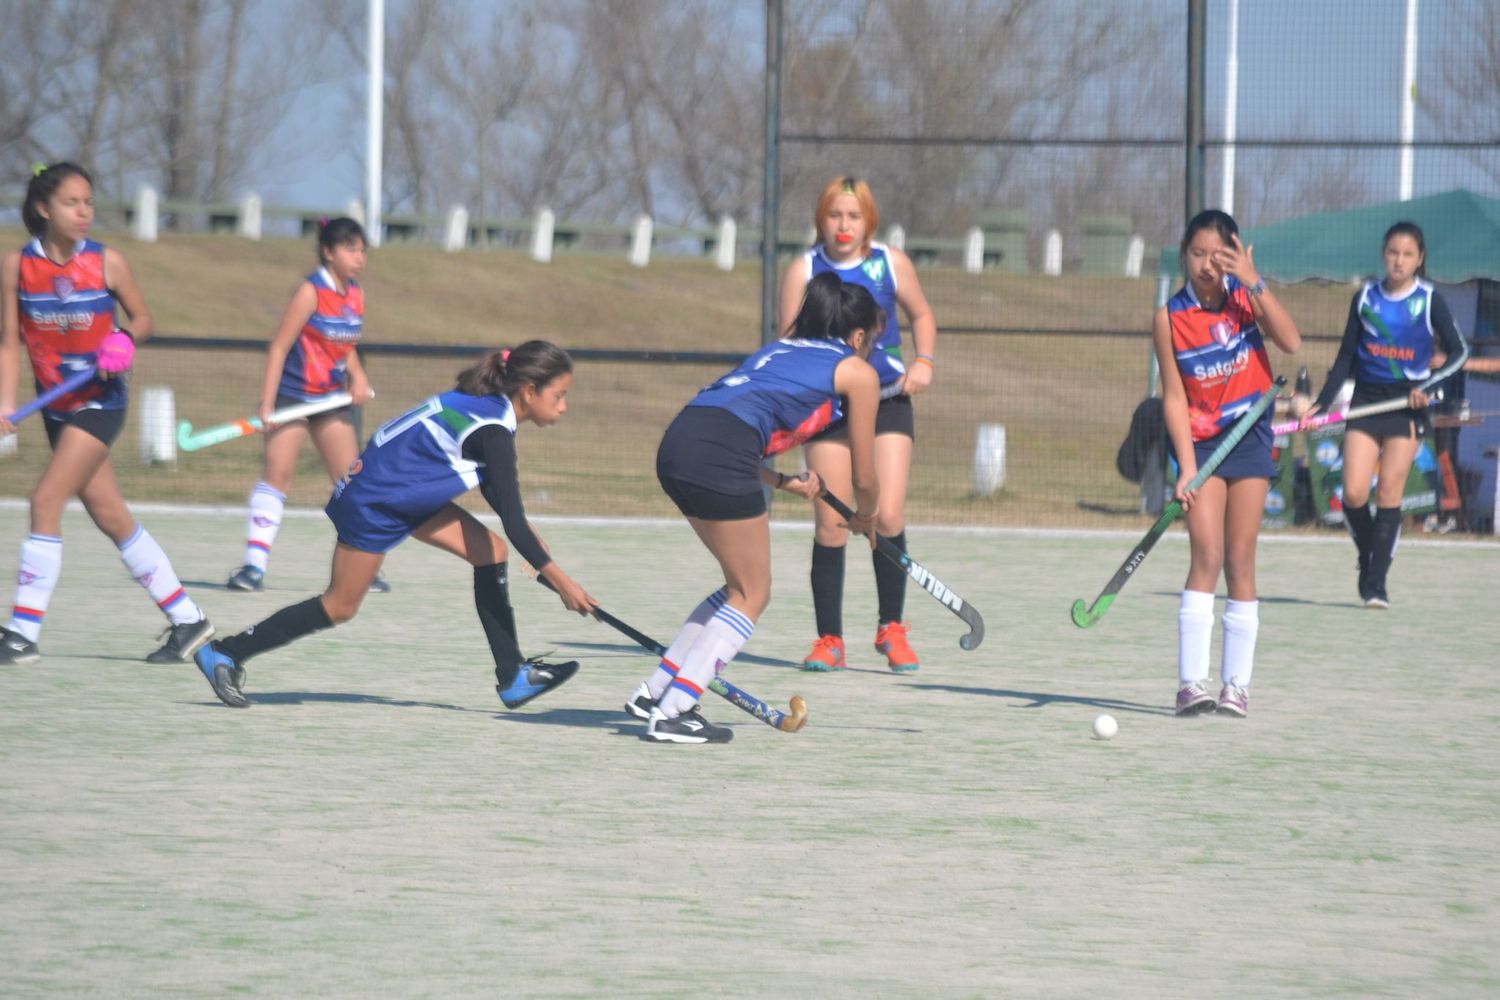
point(116, 352)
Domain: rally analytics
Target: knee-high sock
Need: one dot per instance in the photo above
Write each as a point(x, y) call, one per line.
point(666, 670)
point(715, 646)
point(828, 588)
point(492, 601)
point(1241, 624)
point(292, 622)
point(1383, 539)
point(266, 506)
point(890, 583)
point(153, 570)
point(36, 579)
point(1362, 527)
point(1195, 633)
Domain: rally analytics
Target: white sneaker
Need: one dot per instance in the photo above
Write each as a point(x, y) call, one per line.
point(689, 727)
point(641, 703)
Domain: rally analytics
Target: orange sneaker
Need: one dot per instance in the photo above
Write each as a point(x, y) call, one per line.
point(890, 639)
point(827, 654)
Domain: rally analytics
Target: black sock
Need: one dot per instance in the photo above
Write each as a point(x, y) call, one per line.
point(292, 622)
point(1362, 526)
point(492, 601)
point(828, 588)
point(1383, 536)
point(890, 583)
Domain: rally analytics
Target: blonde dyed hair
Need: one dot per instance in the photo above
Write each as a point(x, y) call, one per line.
point(862, 194)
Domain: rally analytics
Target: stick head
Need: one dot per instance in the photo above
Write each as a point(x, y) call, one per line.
point(1084, 616)
point(796, 718)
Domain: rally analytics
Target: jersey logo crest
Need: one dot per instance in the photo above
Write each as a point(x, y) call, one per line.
point(874, 270)
point(1222, 333)
point(62, 286)
point(1414, 306)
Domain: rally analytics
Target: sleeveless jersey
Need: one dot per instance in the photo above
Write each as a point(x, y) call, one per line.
point(874, 273)
point(414, 463)
point(66, 312)
point(316, 365)
point(1221, 356)
point(1396, 335)
point(784, 391)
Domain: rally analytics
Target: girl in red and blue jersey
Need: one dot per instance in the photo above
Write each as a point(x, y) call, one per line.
point(1394, 327)
point(312, 356)
point(404, 484)
point(710, 463)
point(58, 297)
point(1210, 343)
point(846, 218)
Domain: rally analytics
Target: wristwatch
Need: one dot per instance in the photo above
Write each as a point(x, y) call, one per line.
point(1258, 288)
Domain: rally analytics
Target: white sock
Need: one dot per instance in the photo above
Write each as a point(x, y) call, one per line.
point(671, 661)
point(36, 579)
point(153, 570)
point(266, 505)
point(1195, 633)
point(1241, 623)
point(715, 646)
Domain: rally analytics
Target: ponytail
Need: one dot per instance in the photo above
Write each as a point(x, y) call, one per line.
point(506, 372)
point(833, 309)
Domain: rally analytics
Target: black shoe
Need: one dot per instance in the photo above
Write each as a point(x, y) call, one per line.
point(182, 642)
point(689, 727)
point(1377, 599)
point(380, 585)
point(535, 678)
point(225, 676)
point(15, 648)
point(641, 703)
point(247, 578)
point(1366, 588)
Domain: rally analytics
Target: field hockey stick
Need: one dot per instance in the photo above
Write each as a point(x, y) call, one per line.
point(1086, 615)
point(787, 722)
point(1371, 409)
point(187, 440)
point(67, 385)
point(939, 590)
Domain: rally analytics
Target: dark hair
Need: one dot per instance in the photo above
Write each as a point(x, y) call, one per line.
point(1415, 232)
point(1210, 218)
point(43, 186)
point(506, 372)
point(832, 309)
point(336, 232)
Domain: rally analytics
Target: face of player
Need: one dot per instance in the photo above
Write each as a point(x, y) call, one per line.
point(346, 260)
point(843, 228)
point(1402, 258)
point(1201, 270)
point(546, 404)
point(69, 212)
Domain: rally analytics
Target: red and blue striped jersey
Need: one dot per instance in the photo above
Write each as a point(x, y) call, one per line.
point(66, 312)
point(1221, 356)
point(318, 361)
point(784, 391)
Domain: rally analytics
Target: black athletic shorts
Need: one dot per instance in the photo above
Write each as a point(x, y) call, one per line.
point(102, 424)
point(1395, 424)
point(709, 464)
point(894, 416)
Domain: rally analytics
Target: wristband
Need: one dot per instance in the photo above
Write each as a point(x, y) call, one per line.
point(780, 480)
point(1258, 288)
point(121, 329)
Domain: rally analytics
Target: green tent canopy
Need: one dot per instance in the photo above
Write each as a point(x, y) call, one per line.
point(1461, 227)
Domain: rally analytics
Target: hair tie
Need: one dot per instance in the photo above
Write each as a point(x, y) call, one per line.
point(322, 222)
point(505, 354)
point(38, 169)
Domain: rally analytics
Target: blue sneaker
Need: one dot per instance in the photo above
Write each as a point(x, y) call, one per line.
point(226, 677)
point(535, 678)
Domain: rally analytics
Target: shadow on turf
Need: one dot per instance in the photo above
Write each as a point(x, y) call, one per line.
point(1041, 699)
point(345, 698)
point(1264, 599)
point(634, 650)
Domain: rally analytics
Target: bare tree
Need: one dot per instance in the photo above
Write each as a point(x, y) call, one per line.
point(1466, 107)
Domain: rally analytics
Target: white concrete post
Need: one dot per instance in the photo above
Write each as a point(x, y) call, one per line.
point(1052, 253)
point(356, 211)
point(989, 460)
point(158, 425)
point(541, 236)
point(895, 237)
point(249, 223)
point(456, 232)
point(1135, 255)
point(724, 249)
point(974, 250)
point(147, 219)
point(640, 241)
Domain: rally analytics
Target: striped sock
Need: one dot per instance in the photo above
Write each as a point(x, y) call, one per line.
point(722, 637)
point(266, 505)
point(41, 564)
point(666, 671)
point(153, 570)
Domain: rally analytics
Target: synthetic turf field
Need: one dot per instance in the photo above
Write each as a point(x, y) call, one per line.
point(377, 825)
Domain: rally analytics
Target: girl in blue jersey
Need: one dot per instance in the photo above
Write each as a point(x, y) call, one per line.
point(1388, 346)
point(58, 295)
point(710, 464)
point(846, 218)
point(311, 357)
point(404, 483)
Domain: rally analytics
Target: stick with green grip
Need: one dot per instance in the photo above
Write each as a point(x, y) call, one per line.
point(1086, 615)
